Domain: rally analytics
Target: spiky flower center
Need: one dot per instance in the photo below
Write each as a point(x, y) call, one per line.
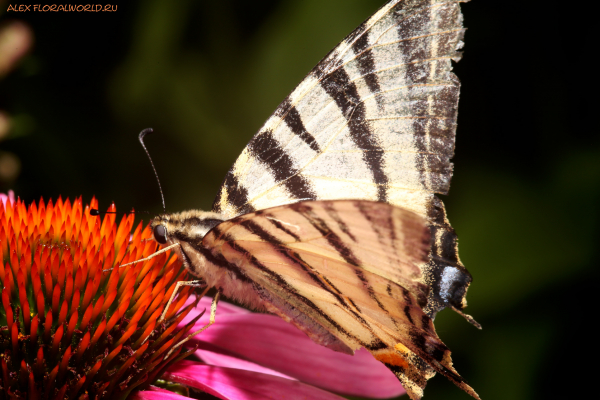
point(72, 323)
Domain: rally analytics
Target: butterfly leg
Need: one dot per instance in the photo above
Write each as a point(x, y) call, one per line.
point(213, 313)
point(199, 283)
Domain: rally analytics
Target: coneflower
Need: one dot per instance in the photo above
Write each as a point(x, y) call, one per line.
point(74, 325)
point(70, 328)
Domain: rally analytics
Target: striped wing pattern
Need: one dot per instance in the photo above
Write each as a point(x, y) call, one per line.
point(374, 120)
point(329, 217)
point(345, 273)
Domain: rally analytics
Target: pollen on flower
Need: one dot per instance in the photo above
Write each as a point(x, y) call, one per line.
point(73, 324)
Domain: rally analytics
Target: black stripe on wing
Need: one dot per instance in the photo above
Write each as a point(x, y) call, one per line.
point(237, 195)
point(293, 120)
point(267, 149)
point(366, 65)
point(345, 94)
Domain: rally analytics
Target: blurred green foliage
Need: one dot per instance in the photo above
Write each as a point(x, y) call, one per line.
point(206, 75)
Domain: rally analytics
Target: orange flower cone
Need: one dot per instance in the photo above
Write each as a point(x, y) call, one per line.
point(72, 323)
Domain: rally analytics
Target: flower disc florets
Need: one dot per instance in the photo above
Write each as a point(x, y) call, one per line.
point(70, 329)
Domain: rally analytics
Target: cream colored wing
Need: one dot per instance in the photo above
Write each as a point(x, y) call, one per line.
point(374, 120)
point(344, 272)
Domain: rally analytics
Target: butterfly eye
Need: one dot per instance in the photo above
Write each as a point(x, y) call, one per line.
point(160, 234)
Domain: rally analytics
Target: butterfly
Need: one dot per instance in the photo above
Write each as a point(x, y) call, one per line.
point(329, 216)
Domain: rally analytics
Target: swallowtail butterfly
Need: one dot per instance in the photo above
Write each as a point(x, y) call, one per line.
point(329, 216)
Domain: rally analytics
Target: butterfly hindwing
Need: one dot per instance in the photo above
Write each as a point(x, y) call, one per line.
point(345, 273)
point(374, 120)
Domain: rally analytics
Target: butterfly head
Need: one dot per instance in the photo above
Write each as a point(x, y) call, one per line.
point(188, 226)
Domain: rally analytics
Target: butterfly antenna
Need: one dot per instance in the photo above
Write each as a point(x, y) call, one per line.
point(141, 137)
point(95, 212)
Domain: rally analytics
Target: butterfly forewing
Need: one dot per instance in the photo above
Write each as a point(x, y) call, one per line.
point(343, 270)
point(374, 120)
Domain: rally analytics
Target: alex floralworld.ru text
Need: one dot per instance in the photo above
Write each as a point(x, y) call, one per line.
point(62, 7)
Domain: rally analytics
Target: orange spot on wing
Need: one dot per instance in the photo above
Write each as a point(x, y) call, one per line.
point(391, 357)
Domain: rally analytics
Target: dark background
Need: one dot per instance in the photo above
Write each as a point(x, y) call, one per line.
point(207, 74)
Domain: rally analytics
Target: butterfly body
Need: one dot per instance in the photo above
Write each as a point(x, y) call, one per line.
point(329, 217)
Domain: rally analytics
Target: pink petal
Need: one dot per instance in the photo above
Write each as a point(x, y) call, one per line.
point(269, 341)
point(237, 384)
point(7, 197)
point(155, 393)
point(231, 361)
